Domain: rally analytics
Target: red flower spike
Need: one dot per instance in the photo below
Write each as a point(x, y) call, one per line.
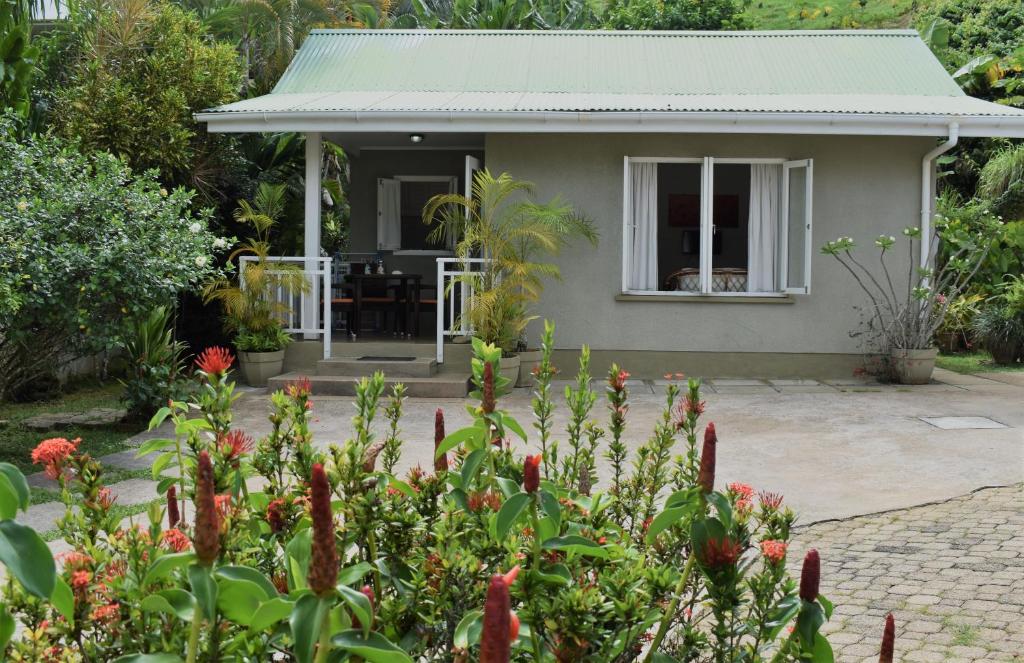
point(810, 576)
point(495, 640)
point(323, 562)
point(888, 640)
point(511, 575)
point(531, 473)
point(207, 531)
point(513, 631)
point(706, 476)
point(440, 462)
point(215, 360)
point(367, 591)
point(488, 402)
point(173, 515)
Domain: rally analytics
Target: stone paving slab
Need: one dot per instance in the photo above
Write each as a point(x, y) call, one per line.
point(42, 517)
point(126, 460)
point(951, 573)
point(952, 377)
point(806, 389)
point(1012, 378)
point(738, 382)
point(134, 491)
point(40, 480)
point(96, 417)
point(746, 389)
point(961, 423)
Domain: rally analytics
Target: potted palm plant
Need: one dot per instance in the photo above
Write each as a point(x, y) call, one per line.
point(902, 316)
point(503, 223)
point(251, 312)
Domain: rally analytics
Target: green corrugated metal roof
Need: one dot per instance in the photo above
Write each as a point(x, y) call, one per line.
point(601, 71)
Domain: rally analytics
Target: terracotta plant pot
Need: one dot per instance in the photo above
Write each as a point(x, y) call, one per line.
point(509, 368)
point(258, 367)
point(914, 366)
point(528, 361)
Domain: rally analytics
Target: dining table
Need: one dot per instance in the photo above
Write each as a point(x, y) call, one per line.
point(409, 289)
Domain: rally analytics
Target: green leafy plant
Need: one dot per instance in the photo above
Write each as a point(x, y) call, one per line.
point(1000, 324)
point(156, 365)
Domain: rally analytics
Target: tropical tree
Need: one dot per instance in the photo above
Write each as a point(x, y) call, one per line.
point(17, 56)
point(501, 222)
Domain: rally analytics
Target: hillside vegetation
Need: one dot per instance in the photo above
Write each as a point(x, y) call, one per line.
point(830, 14)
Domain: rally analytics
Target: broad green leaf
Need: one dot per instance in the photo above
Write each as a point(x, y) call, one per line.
point(458, 437)
point(149, 446)
point(508, 487)
point(148, 658)
point(471, 466)
point(822, 650)
point(808, 622)
point(375, 648)
point(204, 589)
point(724, 509)
point(8, 499)
point(353, 574)
point(250, 574)
point(18, 482)
point(174, 602)
point(297, 553)
point(269, 613)
point(164, 564)
point(551, 507)
point(826, 605)
point(161, 462)
point(27, 558)
point(165, 483)
point(238, 599)
point(575, 544)
point(158, 417)
point(360, 606)
point(401, 486)
point(659, 657)
point(308, 614)
point(514, 425)
point(546, 528)
point(63, 600)
point(701, 531)
point(7, 626)
point(663, 521)
point(509, 513)
point(467, 633)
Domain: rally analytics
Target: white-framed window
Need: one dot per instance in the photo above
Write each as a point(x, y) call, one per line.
point(716, 226)
point(400, 202)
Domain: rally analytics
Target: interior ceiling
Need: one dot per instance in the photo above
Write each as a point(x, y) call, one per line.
point(353, 142)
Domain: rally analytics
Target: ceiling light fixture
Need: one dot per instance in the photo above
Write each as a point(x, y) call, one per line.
point(416, 138)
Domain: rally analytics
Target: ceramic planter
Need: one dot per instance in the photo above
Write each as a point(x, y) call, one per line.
point(914, 366)
point(509, 368)
point(528, 361)
point(258, 367)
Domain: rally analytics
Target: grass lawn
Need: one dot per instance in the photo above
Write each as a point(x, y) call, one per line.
point(973, 362)
point(17, 442)
point(830, 14)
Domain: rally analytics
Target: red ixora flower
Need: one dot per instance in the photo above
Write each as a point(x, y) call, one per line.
point(106, 613)
point(176, 540)
point(323, 563)
point(617, 381)
point(706, 476)
point(742, 490)
point(721, 553)
point(770, 501)
point(810, 576)
point(773, 551)
point(80, 579)
point(300, 388)
point(53, 453)
point(215, 360)
point(888, 640)
point(207, 530)
point(440, 462)
point(531, 473)
point(501, 626)
point(235, 444)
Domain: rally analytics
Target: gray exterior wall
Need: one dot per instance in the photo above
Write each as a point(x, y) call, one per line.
point(863, 186)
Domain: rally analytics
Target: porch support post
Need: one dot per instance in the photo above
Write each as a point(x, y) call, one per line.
point(311, 245)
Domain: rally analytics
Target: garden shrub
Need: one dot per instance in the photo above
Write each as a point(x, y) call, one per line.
point(978, 27)
point(155, 365)
point(85, 244)
point(675, 15)
point(485, 556)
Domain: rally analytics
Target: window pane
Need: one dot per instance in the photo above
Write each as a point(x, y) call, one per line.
point(730, 213)
point(797, 221)
point(679, 203)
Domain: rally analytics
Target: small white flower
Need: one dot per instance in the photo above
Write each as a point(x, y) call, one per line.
point(201, 261)
point(163, 192)
point(195, 226)
point(220, 243)
point(22, 205)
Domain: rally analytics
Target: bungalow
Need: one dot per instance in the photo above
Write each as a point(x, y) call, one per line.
point(713, 164)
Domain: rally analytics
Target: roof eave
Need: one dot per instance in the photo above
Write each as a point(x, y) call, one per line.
point(871, 124)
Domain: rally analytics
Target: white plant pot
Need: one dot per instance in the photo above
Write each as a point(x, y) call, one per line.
point(914, 366)
point(509, 368)
point(258, 367)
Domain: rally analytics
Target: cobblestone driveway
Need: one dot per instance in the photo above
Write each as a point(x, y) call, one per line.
point(951, 573)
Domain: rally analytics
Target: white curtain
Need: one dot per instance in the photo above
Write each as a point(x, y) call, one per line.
point(643, 274)
point(389, 214)
point(763, 233)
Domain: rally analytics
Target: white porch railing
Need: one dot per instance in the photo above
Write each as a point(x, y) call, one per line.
point(453, 294)
point(303, 314)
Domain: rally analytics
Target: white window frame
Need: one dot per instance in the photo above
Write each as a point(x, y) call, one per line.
point(805, 287)
point(452, 182)
point(707, 225)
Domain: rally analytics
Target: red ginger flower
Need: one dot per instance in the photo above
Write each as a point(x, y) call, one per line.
point(810, 576)
point(323, 563)
point(215, 360)
point(501, 626)
point(888, 640)
point(176, 540)
point(207, 530)
point(706, 476)
point(440, 462)
point(721, 553)
point(53, 453)
point(173, 515)
point(773, 551)
point(531, 473)
point(487, 401)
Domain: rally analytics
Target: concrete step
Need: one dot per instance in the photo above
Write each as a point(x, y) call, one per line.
point(441, 385)
point(393, 364)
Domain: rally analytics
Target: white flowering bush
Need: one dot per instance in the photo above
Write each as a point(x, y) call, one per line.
point(85, 244)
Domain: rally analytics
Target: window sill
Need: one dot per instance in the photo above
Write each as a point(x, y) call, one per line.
point(732, 298)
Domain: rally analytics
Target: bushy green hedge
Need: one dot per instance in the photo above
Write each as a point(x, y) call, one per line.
point(979, 27)
point(85, 245)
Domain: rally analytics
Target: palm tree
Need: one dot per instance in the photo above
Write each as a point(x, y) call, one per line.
point(502, 222)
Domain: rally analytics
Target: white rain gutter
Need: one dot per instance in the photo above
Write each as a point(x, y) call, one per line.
point(927, 168)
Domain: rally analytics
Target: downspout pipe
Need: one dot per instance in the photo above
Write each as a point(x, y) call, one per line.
point(927, 168)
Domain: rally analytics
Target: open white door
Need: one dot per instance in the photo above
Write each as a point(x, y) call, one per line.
point(795, 247)
point(472, 165)
point(389, 214)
